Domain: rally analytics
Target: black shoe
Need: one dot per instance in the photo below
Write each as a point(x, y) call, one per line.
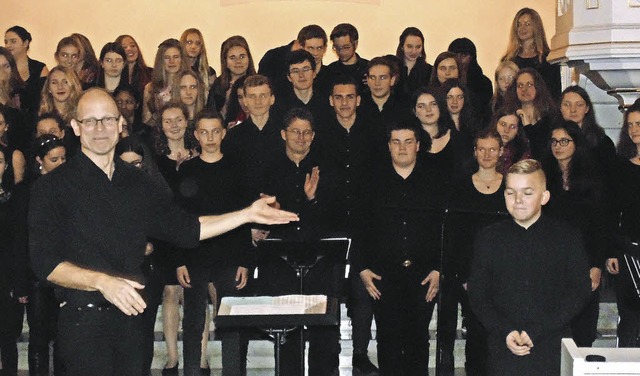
point(205, 371)
point(173, 371)
point(362, 366)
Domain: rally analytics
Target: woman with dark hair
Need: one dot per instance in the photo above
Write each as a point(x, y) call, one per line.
point(235, 61)
point(528, 48)
point(442, 147)
point(16, 157)
point(133, 151)
point(33, 72)
point(576, 106)
point(175, 143)
point(196, 50)
point(236, 110)
point(529, 98)
point(460, 107)
point(68, 53)
point(137, 73)
point(516, 145)
point(504, 74)
point(170, 59)
point(128, 101)
point(577, 197)
point(446, 66)
point(475, 201)
point(629, 232)
point(112, 60)
point(42, 306)
point(12, 88)
point(415, 72)
point(11, 298)
point(476, 81)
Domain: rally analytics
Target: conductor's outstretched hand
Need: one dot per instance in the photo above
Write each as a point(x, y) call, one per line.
point(264, 211)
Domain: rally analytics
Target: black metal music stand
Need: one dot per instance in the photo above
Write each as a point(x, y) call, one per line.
point(301, 257)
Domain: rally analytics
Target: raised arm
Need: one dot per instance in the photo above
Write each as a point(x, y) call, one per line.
point(259, 212)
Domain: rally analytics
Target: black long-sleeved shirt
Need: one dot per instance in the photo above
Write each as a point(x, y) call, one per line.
point(318, 105)
point(210, 189)
point(534, 279)
point(286, 182)
point(358, 71)
point(405, 222)
point(78, 215)
point(254, 149)
point(394, 109)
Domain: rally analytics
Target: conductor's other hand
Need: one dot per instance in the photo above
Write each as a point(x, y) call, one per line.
point(519, 343)
point(433, 279)
point(262, 212)
point(182, 274)
point(367, 277)
point(311, 183)
point(123, 293)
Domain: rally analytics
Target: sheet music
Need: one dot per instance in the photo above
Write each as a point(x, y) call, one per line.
point(270, 305)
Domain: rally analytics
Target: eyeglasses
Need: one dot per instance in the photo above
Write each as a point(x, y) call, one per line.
point(345, 47)
point(563, 142)
point(107, 121)
point(296, 71)
point(297, 132)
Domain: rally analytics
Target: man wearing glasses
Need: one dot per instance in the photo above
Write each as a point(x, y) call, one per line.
point(88, 229)
point(345, 43)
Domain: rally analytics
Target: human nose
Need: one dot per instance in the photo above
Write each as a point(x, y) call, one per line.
point(210, 136)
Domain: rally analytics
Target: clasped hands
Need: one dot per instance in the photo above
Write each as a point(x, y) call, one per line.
point(519, 343)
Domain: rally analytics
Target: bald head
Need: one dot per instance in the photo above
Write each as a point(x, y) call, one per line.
point(92, 96)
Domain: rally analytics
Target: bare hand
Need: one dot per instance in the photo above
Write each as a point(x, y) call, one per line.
point(367, 277)
point(613, 266)
point(595, 274)
point(257, 235)
point(261, 212)
point(519, 343)
point(311, 183)
point(123, 293)
point(149, 249)
point(433, 279)
point(182, 274)
point(241, 277)
point(275, 205)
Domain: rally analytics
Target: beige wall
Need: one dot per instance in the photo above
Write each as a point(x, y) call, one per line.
point(269, 23)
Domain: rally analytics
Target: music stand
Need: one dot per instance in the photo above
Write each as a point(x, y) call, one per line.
point(301, 257)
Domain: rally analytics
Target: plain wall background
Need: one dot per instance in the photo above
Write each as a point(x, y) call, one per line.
point(270, 23)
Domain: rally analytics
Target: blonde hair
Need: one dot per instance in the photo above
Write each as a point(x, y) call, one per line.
point(203, 62)
point(498, 98)
point(540, 39)
point(47, 104)
point(527, 167)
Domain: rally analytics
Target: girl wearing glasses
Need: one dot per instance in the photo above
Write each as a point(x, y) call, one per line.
point(574, 181)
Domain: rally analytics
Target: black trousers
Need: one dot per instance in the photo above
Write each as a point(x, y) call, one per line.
point(628, 309)
point(584, 327)
point(402, 319)
point(195, 304)
point(360, 310)
point(42, 316)
point(11, 312)
point(152, 293)
point(452, 293)
point(100, 342)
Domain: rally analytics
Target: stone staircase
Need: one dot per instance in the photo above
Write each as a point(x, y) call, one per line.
point(260, 359)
